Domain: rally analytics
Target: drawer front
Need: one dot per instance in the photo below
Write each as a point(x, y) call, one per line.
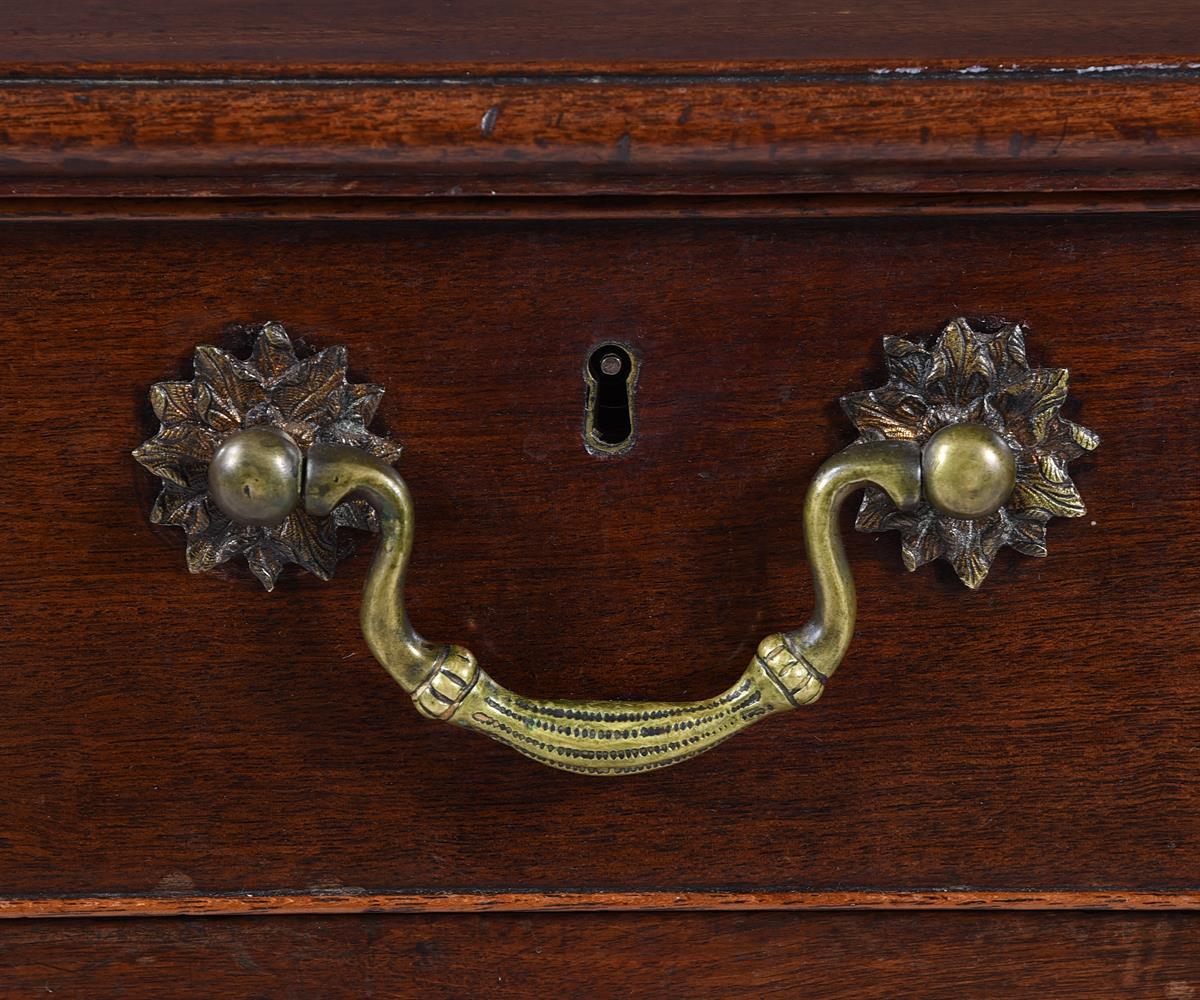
point(168, 736)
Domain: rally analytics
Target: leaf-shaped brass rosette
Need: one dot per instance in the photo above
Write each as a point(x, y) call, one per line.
point(973, 377)
point(301, 401)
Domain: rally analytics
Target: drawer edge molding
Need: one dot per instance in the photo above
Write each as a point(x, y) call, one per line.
point(540, 900)
point(688, 133)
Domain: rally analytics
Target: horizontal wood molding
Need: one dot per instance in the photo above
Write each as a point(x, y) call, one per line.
point(881, 131)
point(331, 902)
point(304, 208)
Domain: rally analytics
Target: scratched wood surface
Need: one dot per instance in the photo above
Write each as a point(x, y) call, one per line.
point(164, 734)
point(703, 955)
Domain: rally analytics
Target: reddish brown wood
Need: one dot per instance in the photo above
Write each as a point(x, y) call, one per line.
point(780, 133)
point(169, 903)
point(270, 36)
point(499, 209)
point(472, 197)
point(165, 734)
point(207, 196)
point(840, 956)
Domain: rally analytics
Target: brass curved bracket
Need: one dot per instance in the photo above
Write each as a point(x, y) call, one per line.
point(963, 451)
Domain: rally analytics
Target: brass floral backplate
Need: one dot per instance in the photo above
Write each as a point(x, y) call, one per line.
point(974, 372)
point(310, 399)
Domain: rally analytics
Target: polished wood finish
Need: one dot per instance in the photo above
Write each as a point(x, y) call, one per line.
point(472, 197)
point(170, 902)
point(205, 738)
point(510, 209)
point(1091, 128)
point(380, 36)
point(704, 955)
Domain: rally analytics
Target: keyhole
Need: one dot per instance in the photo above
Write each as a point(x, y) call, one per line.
point(611, 375)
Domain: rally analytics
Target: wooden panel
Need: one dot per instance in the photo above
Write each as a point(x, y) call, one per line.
point(165, 734)
point(838, 955)
point(597, 134)
point(366, 35)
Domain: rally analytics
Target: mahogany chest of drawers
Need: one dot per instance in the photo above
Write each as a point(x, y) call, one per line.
point(614, 265)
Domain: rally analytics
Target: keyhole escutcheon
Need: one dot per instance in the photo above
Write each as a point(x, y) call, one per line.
point(611, 375)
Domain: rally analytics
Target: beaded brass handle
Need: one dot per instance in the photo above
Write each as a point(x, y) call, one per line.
point(244, 443)
point(609, 737)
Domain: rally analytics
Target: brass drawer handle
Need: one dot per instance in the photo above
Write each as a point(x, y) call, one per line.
point(609, 737)
point(964, 450)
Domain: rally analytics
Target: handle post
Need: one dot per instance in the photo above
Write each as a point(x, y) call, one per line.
point(896, 467)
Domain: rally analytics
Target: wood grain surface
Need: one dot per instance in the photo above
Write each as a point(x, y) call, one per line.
point(472, 196)
point(508, 209)
point(702, 955)
point(865, 130)
point(169, 902)
point(167, 735)
point(269, 36)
